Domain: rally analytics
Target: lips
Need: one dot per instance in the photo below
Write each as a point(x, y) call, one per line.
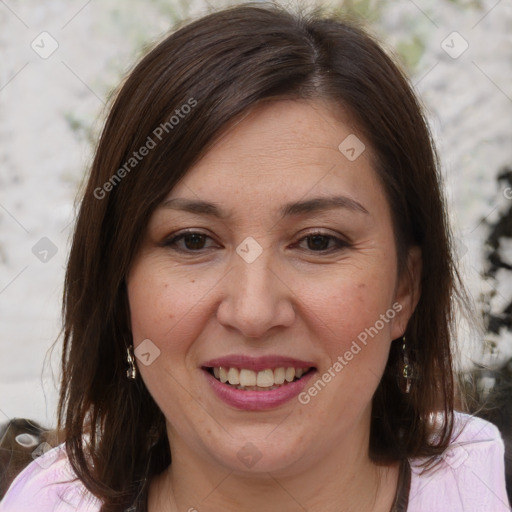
point(257, 383)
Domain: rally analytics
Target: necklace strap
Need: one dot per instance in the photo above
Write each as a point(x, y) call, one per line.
point(401, 501)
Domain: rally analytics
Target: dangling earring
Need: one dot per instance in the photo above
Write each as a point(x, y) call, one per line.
point(131, 373)
point(407, 368)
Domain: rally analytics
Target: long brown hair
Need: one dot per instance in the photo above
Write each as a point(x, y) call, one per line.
point(220, 66)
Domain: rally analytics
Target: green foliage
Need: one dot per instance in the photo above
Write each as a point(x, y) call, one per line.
point(369, 10)
point(411, 51)
point(80, 127)
point(477, 4)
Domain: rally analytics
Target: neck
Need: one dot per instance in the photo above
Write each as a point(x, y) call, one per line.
point(345, 480)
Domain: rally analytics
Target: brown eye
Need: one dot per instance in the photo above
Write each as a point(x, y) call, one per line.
point(194, 241)
point(191, 241)
point(318, 242)
point(321, 242)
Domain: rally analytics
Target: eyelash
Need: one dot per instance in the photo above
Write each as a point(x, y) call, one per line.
point(339, 243)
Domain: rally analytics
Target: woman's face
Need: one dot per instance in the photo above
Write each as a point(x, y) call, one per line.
point(289, 266)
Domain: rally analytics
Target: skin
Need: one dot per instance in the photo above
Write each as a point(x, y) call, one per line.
point(293, 300)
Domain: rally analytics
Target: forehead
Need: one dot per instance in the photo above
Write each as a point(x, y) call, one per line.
point(282, 148)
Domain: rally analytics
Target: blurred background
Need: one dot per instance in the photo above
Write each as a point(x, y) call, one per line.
point(60, 61)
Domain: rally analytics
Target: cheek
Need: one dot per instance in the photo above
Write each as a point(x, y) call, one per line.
point(352, 327)
point(166, 306)
point(351, 321)
point(347, 305)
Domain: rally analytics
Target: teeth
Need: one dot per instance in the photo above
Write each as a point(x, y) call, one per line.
point(251, 380)
point(223, 374)
point(265, 379)
point(247, 378)
point(279, 374)
point(233, 376)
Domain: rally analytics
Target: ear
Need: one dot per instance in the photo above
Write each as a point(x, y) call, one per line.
point(408, 292)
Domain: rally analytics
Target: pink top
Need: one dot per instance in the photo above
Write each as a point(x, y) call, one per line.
point(470, 478)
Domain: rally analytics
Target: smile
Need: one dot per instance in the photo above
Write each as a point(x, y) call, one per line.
point(264, 380)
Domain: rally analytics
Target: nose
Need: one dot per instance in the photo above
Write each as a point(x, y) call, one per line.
point(256, 297)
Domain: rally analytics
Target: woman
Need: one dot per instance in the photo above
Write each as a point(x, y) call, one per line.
point(258, 300)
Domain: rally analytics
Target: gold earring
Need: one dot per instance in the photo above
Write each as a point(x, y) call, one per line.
point(407, 369)
point(131, 373)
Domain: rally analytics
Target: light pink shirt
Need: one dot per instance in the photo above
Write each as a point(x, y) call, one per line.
point(470, 478)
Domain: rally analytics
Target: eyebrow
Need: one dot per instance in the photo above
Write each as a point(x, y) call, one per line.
point(318, 204)
point(314, 205)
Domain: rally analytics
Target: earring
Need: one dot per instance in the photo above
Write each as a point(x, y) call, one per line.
point(407, 368)
point(131, 373)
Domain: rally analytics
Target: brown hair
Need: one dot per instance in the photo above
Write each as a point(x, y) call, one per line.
point(220, 66)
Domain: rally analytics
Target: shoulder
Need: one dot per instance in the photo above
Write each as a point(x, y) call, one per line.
point(470, 475)
point(49, 484)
